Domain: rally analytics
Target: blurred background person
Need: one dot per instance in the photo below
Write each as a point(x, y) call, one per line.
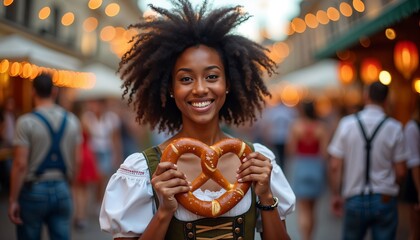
point(87, 175)
point(367, 165)
point(7, 132)
point(9, 115)
point(133, 136)
point(45, 160)
point(5, 153)
point(306, 146)
point(275, 125)
point(103, 128)
point(410, 191)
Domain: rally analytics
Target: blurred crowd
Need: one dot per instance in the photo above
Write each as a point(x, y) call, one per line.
point(110, 134)
point(298, 135)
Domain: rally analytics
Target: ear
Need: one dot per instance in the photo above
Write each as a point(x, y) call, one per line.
point(54, 92)
point(227, 87)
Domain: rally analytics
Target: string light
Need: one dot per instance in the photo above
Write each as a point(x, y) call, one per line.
point(61, 78)
point(112, 9)
point(7, 3)
point(67, 19)
point(44, 13)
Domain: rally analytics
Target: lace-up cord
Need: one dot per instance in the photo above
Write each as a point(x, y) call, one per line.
point(224, 236)
point(225, 226)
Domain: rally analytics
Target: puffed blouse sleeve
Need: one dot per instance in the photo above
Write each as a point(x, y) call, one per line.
point(280, 187)
point(128, 205)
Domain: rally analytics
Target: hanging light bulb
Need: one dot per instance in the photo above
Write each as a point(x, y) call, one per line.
point(406, 58)
point(346, 72)
point(370, 69)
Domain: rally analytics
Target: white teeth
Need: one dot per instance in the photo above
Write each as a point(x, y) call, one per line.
point(201, 104)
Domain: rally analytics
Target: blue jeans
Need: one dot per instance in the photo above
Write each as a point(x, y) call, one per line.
point(376, 212)
point(46, 202)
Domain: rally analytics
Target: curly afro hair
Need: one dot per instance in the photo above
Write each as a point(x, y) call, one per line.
point(147, 67)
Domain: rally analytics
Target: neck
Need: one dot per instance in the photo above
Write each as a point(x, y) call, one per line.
point(43, 102)
point(206, 134)
point(378, 104)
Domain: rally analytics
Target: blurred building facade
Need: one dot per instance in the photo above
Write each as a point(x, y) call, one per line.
point(68, 39)
point(334, 48)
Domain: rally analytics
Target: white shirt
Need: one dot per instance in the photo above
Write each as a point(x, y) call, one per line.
point(276, 123)
point(412, 137)
point(101, 129)
point(128, 204)
point(388, 147)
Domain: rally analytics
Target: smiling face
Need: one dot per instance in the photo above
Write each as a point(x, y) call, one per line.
point(199, 85)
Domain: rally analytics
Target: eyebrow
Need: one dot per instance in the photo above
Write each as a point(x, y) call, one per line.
point(206, 69)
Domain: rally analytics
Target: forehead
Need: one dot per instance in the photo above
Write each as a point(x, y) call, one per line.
point(198, 56)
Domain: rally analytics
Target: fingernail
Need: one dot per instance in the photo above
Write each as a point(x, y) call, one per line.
point(240, 180)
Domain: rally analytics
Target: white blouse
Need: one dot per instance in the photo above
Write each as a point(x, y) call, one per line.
point(412, 139)
point(128, 205)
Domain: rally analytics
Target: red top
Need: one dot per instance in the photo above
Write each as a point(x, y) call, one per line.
point(308, 144)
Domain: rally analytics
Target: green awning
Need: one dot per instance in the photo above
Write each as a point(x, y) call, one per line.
point(367, 27)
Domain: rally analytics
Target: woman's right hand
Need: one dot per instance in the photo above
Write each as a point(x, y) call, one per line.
point(168, 181)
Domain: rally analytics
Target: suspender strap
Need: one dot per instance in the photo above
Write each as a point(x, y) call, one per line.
point(368, 146)
point(152, 156)
point(54, 159)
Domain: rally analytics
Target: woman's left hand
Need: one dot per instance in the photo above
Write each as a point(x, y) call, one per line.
point(257, 169)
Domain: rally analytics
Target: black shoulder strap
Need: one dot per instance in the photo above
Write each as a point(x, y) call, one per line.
point(54, 158)
point(368, 145)
point(152, 156)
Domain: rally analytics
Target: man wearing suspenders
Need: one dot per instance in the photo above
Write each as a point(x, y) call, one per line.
point(46, 156)
point(368, 162)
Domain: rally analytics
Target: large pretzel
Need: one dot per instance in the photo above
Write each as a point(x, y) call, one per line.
point(209, 159)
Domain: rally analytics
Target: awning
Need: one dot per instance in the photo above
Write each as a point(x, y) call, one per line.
point(318, 76)
point(368, 26)
point(16, 47)
point(108, 84)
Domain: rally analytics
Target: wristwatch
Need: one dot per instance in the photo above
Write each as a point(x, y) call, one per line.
point(268, 207)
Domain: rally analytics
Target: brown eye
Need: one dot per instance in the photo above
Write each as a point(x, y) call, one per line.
point(212, 77)
point(186, 79)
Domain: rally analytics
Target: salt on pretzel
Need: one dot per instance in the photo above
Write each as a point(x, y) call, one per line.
point(209, 156)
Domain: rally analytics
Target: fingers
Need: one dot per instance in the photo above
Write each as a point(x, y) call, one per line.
point(14, 215)
point(16, 220)
point(168, 181)
point(163, 167)
point(255, 167)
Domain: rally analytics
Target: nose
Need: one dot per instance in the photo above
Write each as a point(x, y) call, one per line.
point(200, 87)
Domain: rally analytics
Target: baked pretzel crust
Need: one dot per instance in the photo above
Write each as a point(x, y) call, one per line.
point(209, 156)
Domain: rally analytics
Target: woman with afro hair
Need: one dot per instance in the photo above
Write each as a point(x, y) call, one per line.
point(186, 74)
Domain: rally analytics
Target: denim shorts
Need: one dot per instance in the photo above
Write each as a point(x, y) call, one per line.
point(371, 211)
point(46, 202)
point(104, 162)
point(308, 177)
